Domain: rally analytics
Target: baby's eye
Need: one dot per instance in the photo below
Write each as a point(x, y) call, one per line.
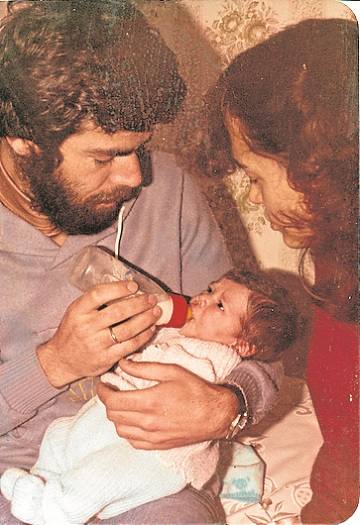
point(253, 180)
point(220, 306)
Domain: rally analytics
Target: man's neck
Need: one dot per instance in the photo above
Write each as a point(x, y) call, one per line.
point(59, 239)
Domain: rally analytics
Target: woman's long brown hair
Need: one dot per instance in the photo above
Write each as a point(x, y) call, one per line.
point(296, 96)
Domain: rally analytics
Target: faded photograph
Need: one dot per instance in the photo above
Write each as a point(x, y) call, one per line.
point(178, 262)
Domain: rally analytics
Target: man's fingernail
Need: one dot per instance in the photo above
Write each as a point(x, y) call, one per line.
point(152, 299)
point(132, 286)
point(157, 311)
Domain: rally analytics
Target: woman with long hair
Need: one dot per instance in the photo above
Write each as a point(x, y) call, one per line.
point(286, 112)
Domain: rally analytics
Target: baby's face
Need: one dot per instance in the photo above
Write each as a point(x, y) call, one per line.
point(217, 313)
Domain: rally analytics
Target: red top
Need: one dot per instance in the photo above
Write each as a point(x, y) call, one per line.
point(332, 376)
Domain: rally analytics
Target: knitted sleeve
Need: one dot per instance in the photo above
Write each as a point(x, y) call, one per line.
point(260, 383)
point(19, 376)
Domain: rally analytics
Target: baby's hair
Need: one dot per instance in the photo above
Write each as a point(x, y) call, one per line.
point(270, 324)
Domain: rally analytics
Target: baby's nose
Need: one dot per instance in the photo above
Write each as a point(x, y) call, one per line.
point(199, 300)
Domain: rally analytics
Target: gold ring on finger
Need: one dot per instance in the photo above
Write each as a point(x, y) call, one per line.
point(113, 336)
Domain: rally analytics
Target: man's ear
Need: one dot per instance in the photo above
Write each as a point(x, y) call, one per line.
point(22, 147)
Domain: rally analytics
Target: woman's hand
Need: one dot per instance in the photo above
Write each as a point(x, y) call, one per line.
point(180, 410)
point(83, 346)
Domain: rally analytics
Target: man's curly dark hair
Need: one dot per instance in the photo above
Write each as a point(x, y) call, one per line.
point(63, 62)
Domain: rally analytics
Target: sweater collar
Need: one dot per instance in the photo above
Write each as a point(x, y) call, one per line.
point(18, 236)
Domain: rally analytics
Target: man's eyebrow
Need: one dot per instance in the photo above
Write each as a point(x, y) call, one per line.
point(116, 152)
point(111, 152)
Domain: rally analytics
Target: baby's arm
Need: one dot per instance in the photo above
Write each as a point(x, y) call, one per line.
point(175, 354)
point(161, 353)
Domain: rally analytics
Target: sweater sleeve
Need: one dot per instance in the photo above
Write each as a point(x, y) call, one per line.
point(204, 256)
point(260, 383)
point(23, 389)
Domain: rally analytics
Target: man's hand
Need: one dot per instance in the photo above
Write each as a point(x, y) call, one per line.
point(180, 410)
point(82, 345)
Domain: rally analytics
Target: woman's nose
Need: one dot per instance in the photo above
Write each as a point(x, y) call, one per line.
point(255, 194)
point(127, 171)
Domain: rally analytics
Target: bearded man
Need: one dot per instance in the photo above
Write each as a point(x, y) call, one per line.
point(82, 86)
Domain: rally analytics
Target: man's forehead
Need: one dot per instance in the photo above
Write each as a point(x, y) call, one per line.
point(92, 138)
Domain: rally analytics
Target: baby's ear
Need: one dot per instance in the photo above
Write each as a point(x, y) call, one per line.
point(244, 348)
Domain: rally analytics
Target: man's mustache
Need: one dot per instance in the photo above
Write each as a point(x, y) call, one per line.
point(120, 194)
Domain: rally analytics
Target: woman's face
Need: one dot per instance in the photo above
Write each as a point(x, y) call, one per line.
point(269, 186)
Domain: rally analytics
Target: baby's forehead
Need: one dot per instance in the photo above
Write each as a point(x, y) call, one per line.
point(233, 290)
point(228, 282)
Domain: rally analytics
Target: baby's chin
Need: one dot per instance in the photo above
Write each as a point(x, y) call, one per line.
point(188, 330)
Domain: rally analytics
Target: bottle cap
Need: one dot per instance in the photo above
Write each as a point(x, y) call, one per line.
point(181, 312)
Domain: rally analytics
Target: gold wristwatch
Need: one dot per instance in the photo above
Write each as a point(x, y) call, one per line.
point(243, 416)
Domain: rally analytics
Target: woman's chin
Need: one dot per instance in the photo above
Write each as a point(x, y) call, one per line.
point(293, 240)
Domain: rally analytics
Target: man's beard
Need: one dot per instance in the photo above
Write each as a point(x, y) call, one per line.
point(55, 197)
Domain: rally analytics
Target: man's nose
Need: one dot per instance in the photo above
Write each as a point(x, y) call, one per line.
point(255, 194)
point(126, 171)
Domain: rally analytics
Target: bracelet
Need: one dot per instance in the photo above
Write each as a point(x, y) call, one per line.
point(243, 417)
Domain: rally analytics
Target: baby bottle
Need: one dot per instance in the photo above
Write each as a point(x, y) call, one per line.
point(93, 265)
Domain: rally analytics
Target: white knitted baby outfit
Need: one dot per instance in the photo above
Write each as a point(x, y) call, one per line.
point(85, 469)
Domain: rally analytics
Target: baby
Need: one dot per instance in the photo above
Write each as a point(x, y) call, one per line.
point(85, 469)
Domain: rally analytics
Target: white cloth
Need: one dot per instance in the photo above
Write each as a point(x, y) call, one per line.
point(89, 470)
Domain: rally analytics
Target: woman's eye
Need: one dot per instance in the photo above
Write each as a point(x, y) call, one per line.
point(220, 306)
point(209, 289)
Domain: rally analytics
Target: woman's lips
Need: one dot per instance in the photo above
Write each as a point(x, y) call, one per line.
point(275, 227)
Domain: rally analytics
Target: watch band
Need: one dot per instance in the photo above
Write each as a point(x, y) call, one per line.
point(243, 417)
